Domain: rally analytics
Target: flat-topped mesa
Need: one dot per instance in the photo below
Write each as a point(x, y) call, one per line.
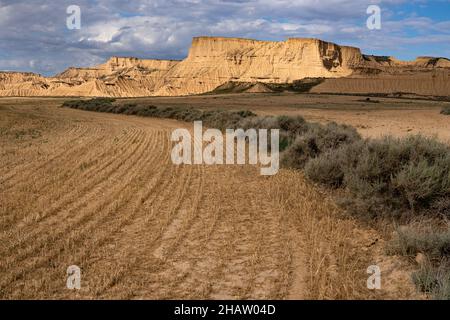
point(305, 51)
point(211, 46)
point(215, 61)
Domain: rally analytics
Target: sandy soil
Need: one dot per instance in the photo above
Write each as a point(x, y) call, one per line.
point(374, 118)
point(99, 191)
point(379, 123)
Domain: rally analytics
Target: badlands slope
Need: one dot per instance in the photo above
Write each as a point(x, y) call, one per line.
point(214, 61)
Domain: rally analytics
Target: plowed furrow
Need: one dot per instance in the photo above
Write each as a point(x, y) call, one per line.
point(104, 195)
point(70, 184)
point(44, 211)
point(33, 166)
point(144, 147)
point(149, 234)
point(111, 226)
point(49, 143)
point(145, 231)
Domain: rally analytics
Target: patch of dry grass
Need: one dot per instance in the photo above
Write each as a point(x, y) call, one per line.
point(99, 191)
point(337, 249)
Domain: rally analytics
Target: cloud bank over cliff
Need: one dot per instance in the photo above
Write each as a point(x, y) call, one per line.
point(34, 36)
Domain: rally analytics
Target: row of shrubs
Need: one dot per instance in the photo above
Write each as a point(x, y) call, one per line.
point(295, 132)
point(211, 118)
point(387, 177)
point(382, 176)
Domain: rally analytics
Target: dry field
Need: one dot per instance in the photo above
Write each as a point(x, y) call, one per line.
point(99, 191)
point(374, 118)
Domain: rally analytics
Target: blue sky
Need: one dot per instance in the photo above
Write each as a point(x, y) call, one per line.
point(34, 36)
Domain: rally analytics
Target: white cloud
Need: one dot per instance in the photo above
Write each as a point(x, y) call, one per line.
point(35, 30)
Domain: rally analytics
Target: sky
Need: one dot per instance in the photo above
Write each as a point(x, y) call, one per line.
point(34, 35)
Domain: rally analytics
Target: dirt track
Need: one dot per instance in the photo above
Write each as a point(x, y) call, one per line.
point(99, 191)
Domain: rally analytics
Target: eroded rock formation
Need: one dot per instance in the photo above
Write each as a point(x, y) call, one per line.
point(213, 62)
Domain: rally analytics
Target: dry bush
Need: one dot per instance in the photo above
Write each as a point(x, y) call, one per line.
point(433, 277)
point(411, 240)
point(397, 178)
point(445, 111)
point(290, 127)
point(388, 176)
point(213, 118)
point(317, 140)
point(96, 104)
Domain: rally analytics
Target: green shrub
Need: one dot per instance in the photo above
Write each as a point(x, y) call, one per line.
point(433, 277)
point(213, 118)
point(388, 176)
point(410, 241)
point(420, 182)
point(246, 113)
point(259, 123)
point(330, 168)
point(407, 174)
point(95, 104)
point(333, 135)
point(142, 110)
point(72, 103)
point(295, 125)
point(300, 151)
point(316, 141)
point(221, 119)
point(446, 110)
point(290, 127)
point(324, 170)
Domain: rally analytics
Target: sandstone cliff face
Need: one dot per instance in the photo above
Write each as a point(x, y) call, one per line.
point(118, 77)
point(214, 61)
point(22, 84)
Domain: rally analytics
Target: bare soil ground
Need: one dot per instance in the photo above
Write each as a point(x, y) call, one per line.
point(99, 191)
point(377, 117)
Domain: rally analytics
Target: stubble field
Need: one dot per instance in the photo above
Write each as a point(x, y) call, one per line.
point(99, 191)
